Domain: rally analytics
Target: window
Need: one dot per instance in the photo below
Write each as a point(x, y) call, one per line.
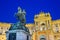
point(56, 25)
point(36, 23)
point(41, 28)
point(43, 24)
point(57, 29)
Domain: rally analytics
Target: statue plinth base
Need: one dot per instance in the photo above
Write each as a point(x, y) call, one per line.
point(17, 35)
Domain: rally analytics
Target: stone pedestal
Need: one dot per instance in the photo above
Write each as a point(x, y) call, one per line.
point(17, 35)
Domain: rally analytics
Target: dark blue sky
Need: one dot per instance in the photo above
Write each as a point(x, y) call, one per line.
point(32, 7)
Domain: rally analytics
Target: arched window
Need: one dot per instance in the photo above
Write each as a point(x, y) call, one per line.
point(42, 37)
point(43, 24)
point(57, 29)
point(43, 27)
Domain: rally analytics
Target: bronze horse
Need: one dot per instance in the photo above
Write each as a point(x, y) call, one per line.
point(21, 16)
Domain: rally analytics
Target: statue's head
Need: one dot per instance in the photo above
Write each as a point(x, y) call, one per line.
point(21, 15)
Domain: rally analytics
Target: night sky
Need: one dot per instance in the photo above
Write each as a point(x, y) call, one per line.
point(32, 7)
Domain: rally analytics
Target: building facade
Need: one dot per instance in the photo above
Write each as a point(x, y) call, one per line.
point(43, 28)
